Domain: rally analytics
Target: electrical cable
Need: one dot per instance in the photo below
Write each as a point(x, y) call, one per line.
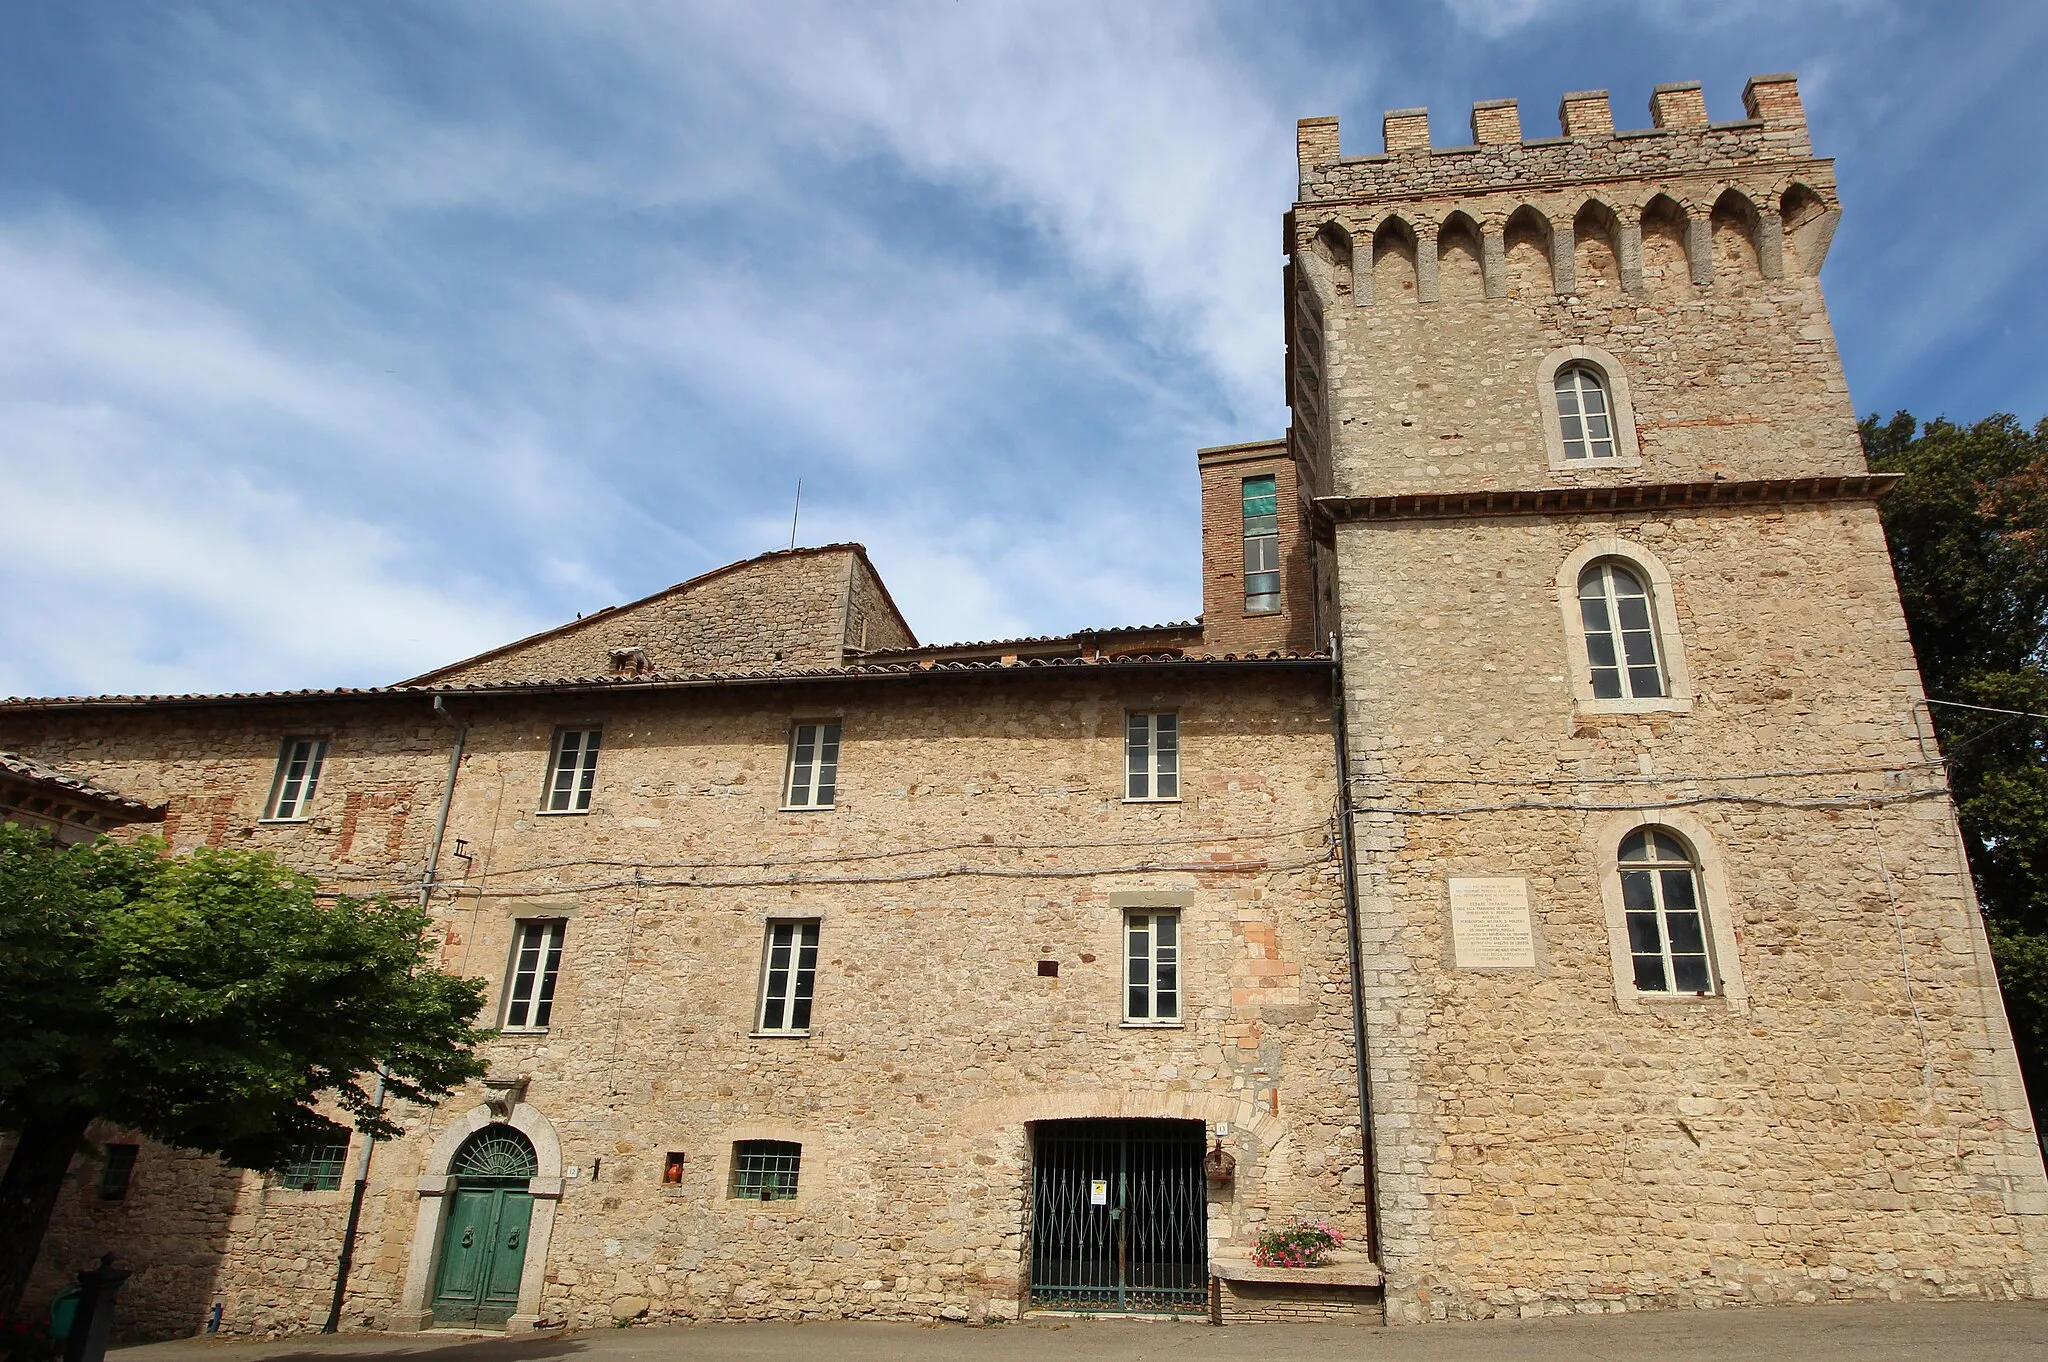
point(1905, 957)
point(1760, 801)
point(1675, 779)
point(902, 877)
point(841, 857)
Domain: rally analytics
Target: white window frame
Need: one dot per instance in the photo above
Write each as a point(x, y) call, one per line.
point(1656, 876)
point(819, 776)
point(1143, 763)
point(1614, 583)
point(799, 937)
point(1578, 665)
point(1143, 967)
point(1620, 409)
point(292, 795)
point(531, 985)
point(1601, 844)
point(573, 754)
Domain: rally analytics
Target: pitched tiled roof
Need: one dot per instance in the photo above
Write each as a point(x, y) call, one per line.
point(1076, 639)
point(932, 667)
point(72, 787)
point(606, 612)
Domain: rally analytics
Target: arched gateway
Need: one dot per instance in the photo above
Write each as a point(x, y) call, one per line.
point(488, 1195)
point(484, 1239)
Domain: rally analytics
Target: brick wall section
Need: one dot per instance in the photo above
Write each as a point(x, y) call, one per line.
point(1277, 1303)
point(1496, 120)
point(1226, 627)
point(782, 610)
point(1682, 105)
point(935, 1043)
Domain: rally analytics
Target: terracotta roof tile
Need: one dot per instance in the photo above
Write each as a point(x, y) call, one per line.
point(40, 773)
point(686, 680)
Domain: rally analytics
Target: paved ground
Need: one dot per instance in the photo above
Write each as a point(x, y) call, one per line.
point(1959, 1332)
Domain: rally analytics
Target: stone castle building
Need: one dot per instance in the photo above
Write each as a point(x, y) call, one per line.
point(1606, 863)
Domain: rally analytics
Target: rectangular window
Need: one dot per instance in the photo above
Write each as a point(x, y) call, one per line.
point(536, 964)
point(813, 766)
point(316, 1165)
point(572, 771)
point(1152, 756)
point(117, 1170)
point(788, 969)
point(298, 776)
point(1261, 545)
point(1152, 967)
point(765, 1170)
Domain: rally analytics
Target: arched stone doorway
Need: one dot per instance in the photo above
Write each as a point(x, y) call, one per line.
point(482, 1257)
point(477, 1180)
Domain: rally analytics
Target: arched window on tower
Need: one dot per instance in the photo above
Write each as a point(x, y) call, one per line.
point(1616, 612)
point(1667, 914)
point(1585, 415)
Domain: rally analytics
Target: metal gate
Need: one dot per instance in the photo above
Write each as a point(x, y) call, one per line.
point(1119, 1216)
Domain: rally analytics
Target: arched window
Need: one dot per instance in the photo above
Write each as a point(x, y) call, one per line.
point(1621, 633)
point(1667, 917)
point(1585, 417)
point(496, 1151)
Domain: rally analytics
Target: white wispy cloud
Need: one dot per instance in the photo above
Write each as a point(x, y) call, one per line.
point(479, 314)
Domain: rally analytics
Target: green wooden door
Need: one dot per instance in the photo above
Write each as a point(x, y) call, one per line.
point(508, 1258)
point(483, 1252)
point(483, 1241)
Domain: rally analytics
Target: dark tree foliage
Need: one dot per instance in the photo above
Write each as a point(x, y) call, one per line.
point(209, 1001)
point(1968, 529)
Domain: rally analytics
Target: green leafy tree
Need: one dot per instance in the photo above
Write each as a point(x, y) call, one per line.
point(1968, 529)
point(209, 1001)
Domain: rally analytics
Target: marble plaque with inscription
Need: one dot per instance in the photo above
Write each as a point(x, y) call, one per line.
point(1490, 926)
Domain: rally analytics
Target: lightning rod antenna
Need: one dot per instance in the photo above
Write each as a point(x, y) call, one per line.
point(795, 511)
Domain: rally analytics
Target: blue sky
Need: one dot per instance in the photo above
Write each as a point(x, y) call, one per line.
point(340, 340)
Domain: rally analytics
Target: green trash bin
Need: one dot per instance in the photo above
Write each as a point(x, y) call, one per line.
point(63, 1313)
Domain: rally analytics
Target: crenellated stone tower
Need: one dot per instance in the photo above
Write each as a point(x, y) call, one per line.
point(1676, 989)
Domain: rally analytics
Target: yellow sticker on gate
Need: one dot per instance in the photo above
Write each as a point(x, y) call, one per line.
point(1098, 1192)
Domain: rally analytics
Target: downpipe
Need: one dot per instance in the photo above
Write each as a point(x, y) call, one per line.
point(1348, 862)
point(347, 1259)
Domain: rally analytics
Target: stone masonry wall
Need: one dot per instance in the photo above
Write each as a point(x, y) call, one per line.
point(872, 622)
point(782, 610)
point(178, 1205)
point(936, 1042)
point(1434, 344)
point(1548, 1139)
point(1544, 1146)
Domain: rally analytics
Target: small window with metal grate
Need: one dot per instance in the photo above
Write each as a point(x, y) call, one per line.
point(765, 1170)
point(316, 1166)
